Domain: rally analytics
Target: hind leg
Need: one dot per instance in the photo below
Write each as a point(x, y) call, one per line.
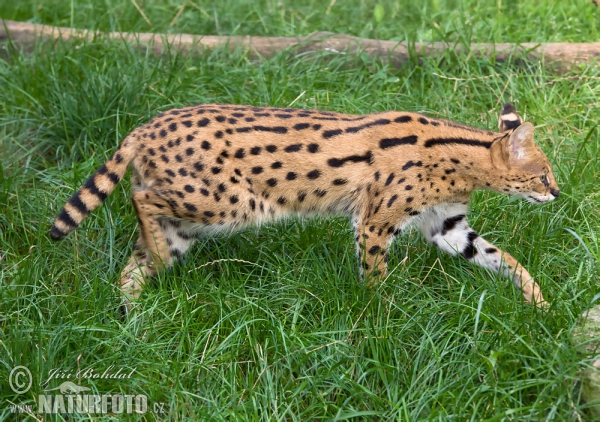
point(179, 235)
point(178, 238)
point(132, 276)
point(151, 252)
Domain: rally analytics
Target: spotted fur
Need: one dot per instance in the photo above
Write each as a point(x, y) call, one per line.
point(211, 169)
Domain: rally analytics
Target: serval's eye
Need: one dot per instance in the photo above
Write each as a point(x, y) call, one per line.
point(544, 180)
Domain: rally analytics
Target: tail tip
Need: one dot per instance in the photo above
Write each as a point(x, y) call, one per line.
point(56, 233)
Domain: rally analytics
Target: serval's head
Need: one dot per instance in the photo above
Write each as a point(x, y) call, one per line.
point(526, 171)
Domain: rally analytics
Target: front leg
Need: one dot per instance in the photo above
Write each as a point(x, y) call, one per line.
point(446, 227)
point(374, 235)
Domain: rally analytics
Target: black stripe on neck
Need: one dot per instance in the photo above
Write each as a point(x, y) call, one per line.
point(462, 141)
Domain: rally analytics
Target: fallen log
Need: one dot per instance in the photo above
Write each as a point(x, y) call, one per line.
point(565, 55)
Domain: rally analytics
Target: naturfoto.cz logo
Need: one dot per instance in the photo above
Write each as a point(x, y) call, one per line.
point(69, 397)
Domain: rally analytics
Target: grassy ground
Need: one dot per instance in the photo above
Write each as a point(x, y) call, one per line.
point(274, 324)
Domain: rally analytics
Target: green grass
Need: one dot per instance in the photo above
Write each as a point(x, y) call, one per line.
point(273, 324)
point(431, 20)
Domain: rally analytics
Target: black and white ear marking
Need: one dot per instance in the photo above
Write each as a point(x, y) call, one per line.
point(509, 119)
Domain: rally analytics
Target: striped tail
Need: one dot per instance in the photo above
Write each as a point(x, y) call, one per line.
point(95, 190)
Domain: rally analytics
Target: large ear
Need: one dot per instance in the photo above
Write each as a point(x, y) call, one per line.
point(520, 142)
point(509, 119)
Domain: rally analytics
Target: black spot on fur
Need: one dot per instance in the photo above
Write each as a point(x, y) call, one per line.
point(327, 134)
point(379, 122)
point(190, 207)
point(338, 162)
point(392, 200)
point(389, 179)
point(470, 251)
point(314, 174)
point(374, 250)
point(403, 119)
point(410, 164)
point(293, 148)
point(301, 126)
point(451, 222)
point(275, 129)
point(394, 142)
point(459, 141)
